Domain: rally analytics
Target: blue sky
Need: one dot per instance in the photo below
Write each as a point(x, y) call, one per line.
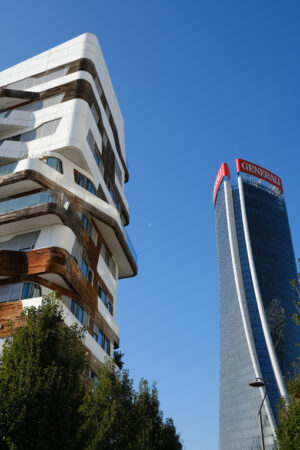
point(199, 83)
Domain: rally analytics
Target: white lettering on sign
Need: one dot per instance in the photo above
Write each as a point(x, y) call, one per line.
point(260, 172)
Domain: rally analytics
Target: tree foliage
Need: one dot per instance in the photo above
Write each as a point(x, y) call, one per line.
point(288, 431)
point(46, 403)
point(41, 386)
point(116, 417)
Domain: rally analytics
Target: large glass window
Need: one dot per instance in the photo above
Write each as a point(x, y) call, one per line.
point(102, 340)
point(109, 261)
point(77, 310)
point(118, 173)
point(87, 224)
point(80, 314)
point(106, 300)
point(55, 163)
point(85, 182)
point(94, 149)
point(31, 290)
point(87, 272)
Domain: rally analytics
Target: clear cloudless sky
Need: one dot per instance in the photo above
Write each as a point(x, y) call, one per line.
point(199, 82)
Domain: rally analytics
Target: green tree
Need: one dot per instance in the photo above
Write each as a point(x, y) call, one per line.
point(41, 383)
point(288, 431)
point(116, 417)
point(46, 403)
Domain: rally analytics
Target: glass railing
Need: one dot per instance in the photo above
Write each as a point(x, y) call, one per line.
point(4, 114)
point(129, 243)
point(8, 168)
point(40, 198)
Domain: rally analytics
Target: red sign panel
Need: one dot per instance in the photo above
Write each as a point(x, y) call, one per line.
point(223, 172)
point(259, 172)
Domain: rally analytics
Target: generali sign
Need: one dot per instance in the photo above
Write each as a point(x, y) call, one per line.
point(223, 171)
point(259, 172)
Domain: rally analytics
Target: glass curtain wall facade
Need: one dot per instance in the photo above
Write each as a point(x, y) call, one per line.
point(259, 268)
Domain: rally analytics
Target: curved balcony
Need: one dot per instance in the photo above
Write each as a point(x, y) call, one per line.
point(32, 170)
point(12, 121)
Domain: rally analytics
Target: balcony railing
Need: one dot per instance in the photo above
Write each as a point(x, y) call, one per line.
point(5, 114)
point(129, 243)
point(8, 168)
point(40, 198)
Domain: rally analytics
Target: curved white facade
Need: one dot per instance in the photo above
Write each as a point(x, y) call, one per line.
point(63, 209)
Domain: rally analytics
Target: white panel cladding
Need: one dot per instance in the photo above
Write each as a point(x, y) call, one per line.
point(50, 236)
point(108, 317)
point(76, 120)
point(261, 309)
point(56, 236)
point(106, 274)
point(69, 320)
point(239, 283)
point(84, 46)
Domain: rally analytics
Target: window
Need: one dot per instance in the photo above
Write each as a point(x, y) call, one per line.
point(79, 313)
point(93, 377)
point(118, 173)
point(102, 340)
point(31, 290)
point(98, 86)
point(42, 104)
point(87, 224)
point(94, 148)
point(30, 82)
point(77, 310)
point(21, 242)
point(55, 163)
point(89, 227)
point(112, 194)
point(109, 261)
point(19, 291)
point(107, 111)
point(84, 182)
point(104, 139)
point(106, 300)
point(95, 114)
point(44, 130)
point(87, 272)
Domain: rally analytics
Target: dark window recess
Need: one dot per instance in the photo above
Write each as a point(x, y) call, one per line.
point(79, 313)
point(102, 340)
point(118, 173)
point(109, 261)
point(87, 272)
point(106, 300)
point(93, 377)
point(113, 195)
point(55, 163)
point(31, 290)
point(95, 150)
point(87, 224)
point(84, 182)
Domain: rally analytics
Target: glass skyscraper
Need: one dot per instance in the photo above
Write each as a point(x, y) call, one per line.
point(256, 264)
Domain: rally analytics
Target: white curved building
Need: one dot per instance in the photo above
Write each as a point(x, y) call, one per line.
point(63, 209)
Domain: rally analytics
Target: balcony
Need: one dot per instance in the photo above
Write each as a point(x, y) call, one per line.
point(40, 198)
point(13, 121)
point(129, 243)
point(13, 97)
point(27, 176)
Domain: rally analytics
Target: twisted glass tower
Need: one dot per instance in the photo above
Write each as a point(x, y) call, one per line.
point(256, 264)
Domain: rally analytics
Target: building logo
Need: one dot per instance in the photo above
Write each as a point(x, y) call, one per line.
point(223, 172)
point(259, 172)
